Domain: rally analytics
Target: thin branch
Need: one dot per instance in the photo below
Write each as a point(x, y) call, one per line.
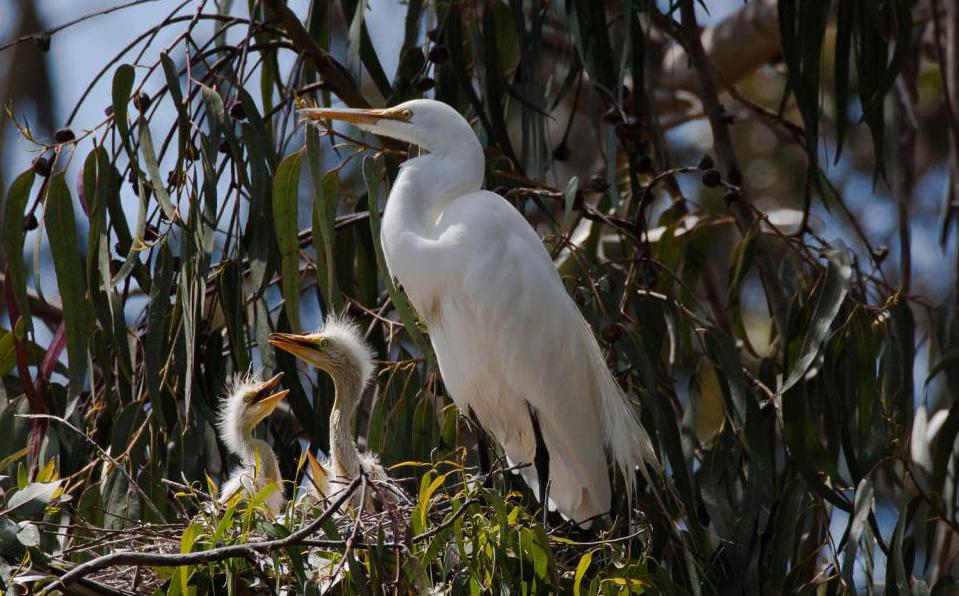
point(335, 76)
point(76, 21)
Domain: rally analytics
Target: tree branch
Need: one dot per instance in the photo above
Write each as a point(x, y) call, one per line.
point(739, 45)
point(335, 76)
point(208, 556)
point(723, 142)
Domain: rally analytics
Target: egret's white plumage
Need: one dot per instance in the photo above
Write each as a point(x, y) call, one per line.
point(504, 328)
point(247, 401)
point(339, 350)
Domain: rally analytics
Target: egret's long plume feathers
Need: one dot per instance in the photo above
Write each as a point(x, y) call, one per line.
point(626, 439)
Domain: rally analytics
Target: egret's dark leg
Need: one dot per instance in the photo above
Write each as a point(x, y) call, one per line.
point(482, 448)
point(540, 462)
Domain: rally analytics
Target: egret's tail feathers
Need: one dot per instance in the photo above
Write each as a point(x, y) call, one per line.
point(626, 439)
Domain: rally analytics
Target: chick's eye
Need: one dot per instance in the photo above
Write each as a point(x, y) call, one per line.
point(324, 343)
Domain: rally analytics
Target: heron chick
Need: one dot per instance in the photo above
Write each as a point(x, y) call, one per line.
point(339, 350)
point(248, 401)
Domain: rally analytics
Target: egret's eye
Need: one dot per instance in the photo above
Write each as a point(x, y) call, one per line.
point(324, 343)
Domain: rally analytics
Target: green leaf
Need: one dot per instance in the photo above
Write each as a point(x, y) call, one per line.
point(897, 572)
point(581, 568)
point(153, 169)
point(831, 296)
point(862, 507)
point(176, 96)
point(234, 310)
point(14, 209)
point(29, 534)
point(122, 87)
point(286, 185)
point(326, 192)
point(158, 314)
point(569, 198)
point(8, 353)
point(61, 231)
point(31, 500)
point(722, 352)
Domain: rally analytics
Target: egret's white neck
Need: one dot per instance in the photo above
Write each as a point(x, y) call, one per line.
point(428, 183)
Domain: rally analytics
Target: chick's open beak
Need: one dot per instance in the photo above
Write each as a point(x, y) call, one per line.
point(356, 116)
point(269, 403)
point(265, 401)
point(300, 346)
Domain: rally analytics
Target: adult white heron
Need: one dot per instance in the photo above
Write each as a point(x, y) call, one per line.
point(248, 401)
point(512, 347)
point(339, 350)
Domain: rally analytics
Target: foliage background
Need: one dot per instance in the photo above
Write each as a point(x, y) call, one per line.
point(784, 316)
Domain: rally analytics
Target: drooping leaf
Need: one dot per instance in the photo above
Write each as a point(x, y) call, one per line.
point(286, 186)
point(60, 225)
point(830, 299)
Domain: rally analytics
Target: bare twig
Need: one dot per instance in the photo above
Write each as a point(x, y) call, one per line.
point(49, 32)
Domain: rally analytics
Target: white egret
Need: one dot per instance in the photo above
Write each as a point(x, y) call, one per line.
point(512, 346)
point(246, 403)
point(338, 349)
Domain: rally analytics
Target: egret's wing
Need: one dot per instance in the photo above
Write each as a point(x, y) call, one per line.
point(507, 333)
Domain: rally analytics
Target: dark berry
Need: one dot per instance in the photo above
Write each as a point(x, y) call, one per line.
point(64, 135)
point(224, 147)
point(237, 111)
point(425, 83)
point(612, 333)
point(30, 223)
point(434, 34)
point(712, 178)
point(880, 253)
point(706, 162)
point(115, 265)
point(597, 183)
point(439, 54)
point(108, 111)
point(561, 152)
point(41, 166)
point(644, 164)
point(731, 196)
point(141, 101)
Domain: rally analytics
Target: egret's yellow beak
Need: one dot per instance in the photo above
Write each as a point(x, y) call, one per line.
point(265, 401)
point(300, 346)
point(356, 116)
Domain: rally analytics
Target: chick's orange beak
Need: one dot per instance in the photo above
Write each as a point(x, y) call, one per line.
point(269, 403)
point(265, 401)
